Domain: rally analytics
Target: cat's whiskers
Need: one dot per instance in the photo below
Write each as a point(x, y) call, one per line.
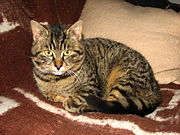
point(30, 56)
point(72, 72)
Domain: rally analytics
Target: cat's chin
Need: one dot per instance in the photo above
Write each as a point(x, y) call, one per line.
point(57, 73)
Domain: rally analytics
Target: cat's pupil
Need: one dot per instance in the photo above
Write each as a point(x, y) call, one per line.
point(67, 52)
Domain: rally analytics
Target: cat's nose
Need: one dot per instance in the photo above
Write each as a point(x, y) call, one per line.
point(58, 68)
point(58, 64)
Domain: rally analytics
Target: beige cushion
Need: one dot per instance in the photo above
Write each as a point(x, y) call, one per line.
point(153, 32)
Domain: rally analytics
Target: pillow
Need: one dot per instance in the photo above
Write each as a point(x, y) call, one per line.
point(153, 32)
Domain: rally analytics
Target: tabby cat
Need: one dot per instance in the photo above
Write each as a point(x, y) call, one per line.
point(93, 74)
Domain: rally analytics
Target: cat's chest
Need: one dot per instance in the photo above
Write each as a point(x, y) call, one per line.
point(63, 87)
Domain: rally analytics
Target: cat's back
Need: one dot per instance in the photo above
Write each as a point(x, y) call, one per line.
point(107, 54)
point(102, 48)
point(110, 51)
point(102, 43)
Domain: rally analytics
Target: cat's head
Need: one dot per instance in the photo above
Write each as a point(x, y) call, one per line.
point(57, 49)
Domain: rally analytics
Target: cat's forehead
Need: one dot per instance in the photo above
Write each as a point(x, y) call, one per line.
point(57, 31)
point(56, 35)
point(57, 38)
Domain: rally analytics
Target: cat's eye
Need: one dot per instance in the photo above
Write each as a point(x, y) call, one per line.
point(67, 52)
point(48, 53)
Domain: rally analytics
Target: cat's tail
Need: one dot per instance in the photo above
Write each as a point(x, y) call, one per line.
point(103, 106)
point(109, 107)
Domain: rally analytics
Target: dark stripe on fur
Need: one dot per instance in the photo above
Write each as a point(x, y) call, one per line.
point(114, 107)
point(43, 77)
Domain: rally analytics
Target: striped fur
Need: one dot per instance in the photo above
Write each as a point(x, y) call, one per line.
point(93, 74)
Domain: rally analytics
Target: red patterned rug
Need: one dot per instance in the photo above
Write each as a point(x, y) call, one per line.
point(26, 112)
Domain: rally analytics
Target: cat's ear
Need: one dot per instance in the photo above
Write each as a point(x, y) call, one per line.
point(38, 30)
point(75, 31)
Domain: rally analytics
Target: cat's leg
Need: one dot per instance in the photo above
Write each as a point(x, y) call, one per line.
point(77, 103)
point(54, 97)
point(130, 90)
point(134, 94)
point(116, 96)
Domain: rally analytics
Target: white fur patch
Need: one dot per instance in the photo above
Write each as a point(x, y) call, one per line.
point(121, 124)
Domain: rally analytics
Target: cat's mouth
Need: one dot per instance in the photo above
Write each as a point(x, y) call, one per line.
point(59, 72)
point(55, 71)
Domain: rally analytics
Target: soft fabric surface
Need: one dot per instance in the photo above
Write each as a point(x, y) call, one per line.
point(24, 111)
point(153, 32)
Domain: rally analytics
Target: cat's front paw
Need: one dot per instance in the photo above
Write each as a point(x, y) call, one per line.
point(76, 104)
point(54, 97)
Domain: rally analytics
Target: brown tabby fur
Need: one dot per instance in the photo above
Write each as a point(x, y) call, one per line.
point(93, 74)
